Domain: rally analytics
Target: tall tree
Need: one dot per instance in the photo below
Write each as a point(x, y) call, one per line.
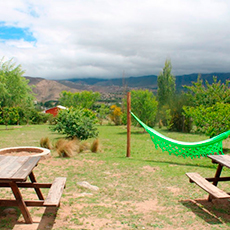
point(14, 88)
point(166, 85)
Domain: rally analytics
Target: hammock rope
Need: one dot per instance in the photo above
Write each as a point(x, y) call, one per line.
point(186, 149)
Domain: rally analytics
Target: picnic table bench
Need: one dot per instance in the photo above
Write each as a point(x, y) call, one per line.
point(205, 183)
point(14, 171)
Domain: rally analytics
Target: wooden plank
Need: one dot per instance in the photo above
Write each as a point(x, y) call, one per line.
point(26, 168)
point(37, 190)
point(207, 186)
point(28, 203)
point(210, 179)
point(21, 203)
point(7, 162)
point(55, 192)
point(27, 185)
point(12, 166)
point(221, 159)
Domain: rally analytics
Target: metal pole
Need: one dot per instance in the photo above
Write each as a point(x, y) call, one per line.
point(128, 123)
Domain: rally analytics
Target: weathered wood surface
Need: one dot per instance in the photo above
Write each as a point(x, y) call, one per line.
point(14, 171)
point(224, 160)
point(14, 168)
point(55, 192)
point(207, 186)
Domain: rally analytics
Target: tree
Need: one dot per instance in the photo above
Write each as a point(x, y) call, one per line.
point(14, 88)
point(84, 99)
point(9, 116)
point(144, 106)
point(166, 85)
point(210, 109)
point(102, 113)
point(208, 94)
point(178, 121)
point(211, 120)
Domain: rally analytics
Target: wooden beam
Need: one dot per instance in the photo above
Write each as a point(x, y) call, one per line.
point(28, 185)
point(128, 123)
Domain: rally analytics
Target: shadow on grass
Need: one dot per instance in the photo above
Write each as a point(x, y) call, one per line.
point(11, 220)
point(215, 212)
point(170, 162)
point(226, 150)
point(8, 129)
point(134, 133)
point(48, 218)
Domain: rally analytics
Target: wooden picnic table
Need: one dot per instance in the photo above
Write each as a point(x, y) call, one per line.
point(205, 183)
point(14, 171)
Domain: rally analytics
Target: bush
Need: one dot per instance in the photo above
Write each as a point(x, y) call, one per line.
point(115, 114)
point(9, 116)
point(211, 120)
point(76, 123)
point(144, 106)
point(178, 122)
point(37, 117)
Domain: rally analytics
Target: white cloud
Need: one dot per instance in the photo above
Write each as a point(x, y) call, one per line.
point(98, 38)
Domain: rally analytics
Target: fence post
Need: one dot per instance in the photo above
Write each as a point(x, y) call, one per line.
point(128, 123)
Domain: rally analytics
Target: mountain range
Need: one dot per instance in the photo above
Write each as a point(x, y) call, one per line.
point(47, 90)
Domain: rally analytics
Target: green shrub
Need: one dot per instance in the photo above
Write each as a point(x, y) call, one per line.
point(9, 116)
point(76, 123)
point(36, 117)
point(211, 120)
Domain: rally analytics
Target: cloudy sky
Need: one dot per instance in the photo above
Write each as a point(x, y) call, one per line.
point(57, 39)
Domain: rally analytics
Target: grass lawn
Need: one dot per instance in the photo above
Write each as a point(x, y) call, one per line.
point(149, 190)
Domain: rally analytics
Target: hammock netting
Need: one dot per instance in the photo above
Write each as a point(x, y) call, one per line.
point(186, 149)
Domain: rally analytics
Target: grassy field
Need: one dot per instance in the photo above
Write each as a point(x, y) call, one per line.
point(149, 190)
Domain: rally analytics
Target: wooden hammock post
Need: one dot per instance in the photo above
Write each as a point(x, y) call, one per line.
point(128, 123)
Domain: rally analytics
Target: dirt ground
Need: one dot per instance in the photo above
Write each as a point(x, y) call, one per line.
point(49, 220)
point(58, 218)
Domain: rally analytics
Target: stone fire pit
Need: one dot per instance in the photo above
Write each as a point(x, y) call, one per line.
point(25, 151)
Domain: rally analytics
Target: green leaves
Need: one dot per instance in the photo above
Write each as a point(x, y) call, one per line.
point(79, 123)
point(211, 120)
point(208, 94)
point(144, 105)
point(210, 108)
point(166, 85)
point(14, 89)
point(9, 115)
point(84, 99)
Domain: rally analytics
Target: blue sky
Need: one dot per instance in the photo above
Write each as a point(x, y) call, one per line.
point(15, 33)
point(59, 39)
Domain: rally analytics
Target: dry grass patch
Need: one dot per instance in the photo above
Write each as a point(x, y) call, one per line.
point(95, 146)
point(67, 148)
point(46, 143)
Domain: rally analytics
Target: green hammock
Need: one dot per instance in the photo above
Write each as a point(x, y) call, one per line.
point(186, 149)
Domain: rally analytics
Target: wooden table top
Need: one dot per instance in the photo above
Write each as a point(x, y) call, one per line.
point(221, 159)
point(16, 168)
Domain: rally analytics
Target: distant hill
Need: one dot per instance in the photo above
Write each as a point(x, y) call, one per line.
point(46, 90)
point(149, 81)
